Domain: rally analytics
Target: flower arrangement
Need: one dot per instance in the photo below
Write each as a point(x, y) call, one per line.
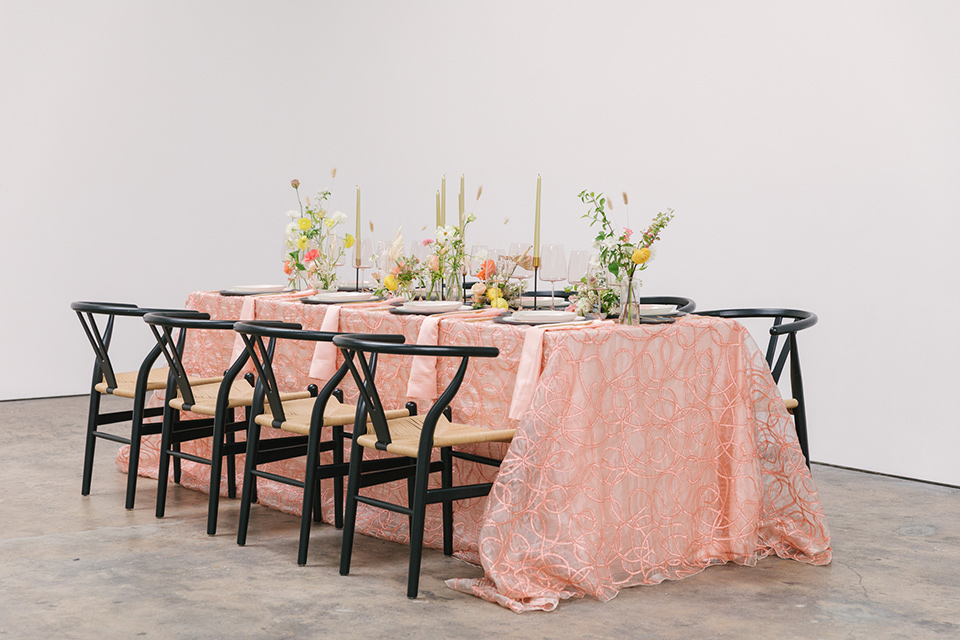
point(400, 275)
point(313, 247)
point(444, 266)
point(497, 286)
point(619, 254)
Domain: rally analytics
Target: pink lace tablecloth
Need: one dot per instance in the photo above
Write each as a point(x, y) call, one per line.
point(648, 453)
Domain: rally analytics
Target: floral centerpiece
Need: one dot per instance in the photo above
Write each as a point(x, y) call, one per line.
point(619, 254)
point(313, 247)
point(444, 265)
point(497, 285)
point(399, 274)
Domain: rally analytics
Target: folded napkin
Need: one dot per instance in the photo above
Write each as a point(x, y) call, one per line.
point(249, 312)
point(531, 360)
point(423, 373)
point(324, 363)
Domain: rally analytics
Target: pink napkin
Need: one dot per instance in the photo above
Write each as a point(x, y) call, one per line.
point(249, 312)
point(423, 373)
point(531, 360)
point(324, 363)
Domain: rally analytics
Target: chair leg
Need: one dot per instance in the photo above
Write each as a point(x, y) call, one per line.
point(136, 434)
point(446, 479)
point(170, 419)
point(350, 507)
point(216, 468)
point(337, 480)
point(416, 532)
point(249, 481)
point(91, 444)
point(231, 467)
point(309, 491)
point(176, 464)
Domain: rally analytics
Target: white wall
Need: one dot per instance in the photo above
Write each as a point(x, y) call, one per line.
point(811, 151)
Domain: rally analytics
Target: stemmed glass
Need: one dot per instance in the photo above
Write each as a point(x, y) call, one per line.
point(578, 265)
point(553, 268)
point(366, 261)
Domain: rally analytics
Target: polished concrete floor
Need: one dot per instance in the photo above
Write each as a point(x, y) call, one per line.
point(83, 567)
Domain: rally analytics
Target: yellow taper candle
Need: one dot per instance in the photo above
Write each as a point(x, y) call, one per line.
point(461, 204)
point(443, 202)
point(438, 208)
point(356, 241)
point(536, 227)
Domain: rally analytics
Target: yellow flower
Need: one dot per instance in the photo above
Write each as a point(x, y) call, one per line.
point(499, 303)
point(304, 224)
point(390, 282)
point(348, 241)
point(302, 242)
point(493, 293)
point(640, 256)
point(330, 223)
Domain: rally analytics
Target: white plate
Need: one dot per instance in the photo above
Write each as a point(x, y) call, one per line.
point(543, 302)
point(344, 296)
point(432, 306)
point(657, 309)
point(543, 315)
point(259, 288)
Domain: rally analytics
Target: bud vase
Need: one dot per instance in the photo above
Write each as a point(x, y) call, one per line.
point(630, 301)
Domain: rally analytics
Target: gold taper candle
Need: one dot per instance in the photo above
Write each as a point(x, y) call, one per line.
point(438, 208)
point(356, 241)
point(443, 201)
point(536, 227)
point(461, 204)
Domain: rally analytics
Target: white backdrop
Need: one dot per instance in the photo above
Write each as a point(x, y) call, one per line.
point(811, 152)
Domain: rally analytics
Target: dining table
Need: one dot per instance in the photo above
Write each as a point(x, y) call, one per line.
point(641, 453)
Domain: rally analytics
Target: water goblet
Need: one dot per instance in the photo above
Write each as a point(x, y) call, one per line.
point(553, 268)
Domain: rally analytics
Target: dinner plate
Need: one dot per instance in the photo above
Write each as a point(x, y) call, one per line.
point(535, 317)
point(428, 307)
point(657, 309)
point(253, 289)
point(334, 297)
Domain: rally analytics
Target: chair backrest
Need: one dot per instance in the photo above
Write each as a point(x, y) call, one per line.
point(776, 361)
point(365, 349)
point(100, 337)
point(163, 325)
point(686, 305)
point(253, 333)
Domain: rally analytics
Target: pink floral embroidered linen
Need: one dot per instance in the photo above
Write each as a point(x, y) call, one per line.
point(647, 453)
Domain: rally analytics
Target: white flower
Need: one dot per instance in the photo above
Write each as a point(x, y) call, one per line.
point(293, 214)
point(339, 217)
point(293, 229)
point(445, 233)
point(609, 243)
point(584, 306)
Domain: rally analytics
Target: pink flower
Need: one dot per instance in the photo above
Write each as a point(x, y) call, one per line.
point(311, 255)
point(626, 234)
point(427, 242)
point(433, 263)
point(395, 270)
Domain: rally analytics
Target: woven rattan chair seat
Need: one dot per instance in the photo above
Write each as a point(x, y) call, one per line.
point(405, 435)
point(127, 382)
point(299, 412)
point(241, 395)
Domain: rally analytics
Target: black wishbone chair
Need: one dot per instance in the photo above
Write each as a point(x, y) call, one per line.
point(132, 384)
point(414, 437)
point(303, 423)
point(683, 304)
point(788, 350)
point(216, 400)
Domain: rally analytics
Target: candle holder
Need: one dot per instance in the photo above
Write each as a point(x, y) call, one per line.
point(536, 271)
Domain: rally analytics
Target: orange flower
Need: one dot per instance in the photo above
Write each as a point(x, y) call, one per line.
point(487, 270)
point(287, 269)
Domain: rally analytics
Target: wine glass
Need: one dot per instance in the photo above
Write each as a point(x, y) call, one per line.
point(553, 268)
point(578, 265)
point(366, 261)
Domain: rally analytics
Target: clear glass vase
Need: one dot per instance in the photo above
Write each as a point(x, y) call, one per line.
point(630, 301)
